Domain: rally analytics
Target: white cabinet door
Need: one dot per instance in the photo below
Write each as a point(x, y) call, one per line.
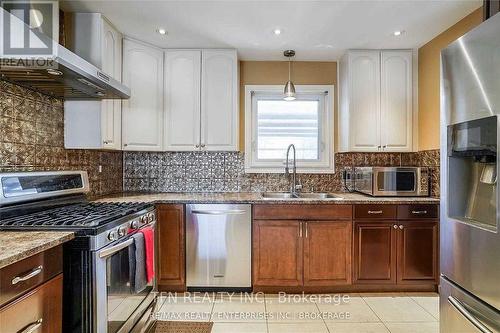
point(219, 100)
point(111, 112)
point(95, 124)
point(396, 100)
point(182, 100)
point(364, 100)
point(142, 114)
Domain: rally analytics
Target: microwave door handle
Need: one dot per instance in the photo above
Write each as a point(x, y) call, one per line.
point(112, 250)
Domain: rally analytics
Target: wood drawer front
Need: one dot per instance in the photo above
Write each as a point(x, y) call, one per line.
point(28, 273)
point(40, 310)
point(375, 211)
point(429, 211)
point(302, 212)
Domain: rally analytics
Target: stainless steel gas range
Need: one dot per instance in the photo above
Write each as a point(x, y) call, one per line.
point(109, 284)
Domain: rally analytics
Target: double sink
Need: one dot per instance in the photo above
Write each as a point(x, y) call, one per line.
point(298, 196)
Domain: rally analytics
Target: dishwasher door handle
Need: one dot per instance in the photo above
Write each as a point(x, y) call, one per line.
point(218, 212)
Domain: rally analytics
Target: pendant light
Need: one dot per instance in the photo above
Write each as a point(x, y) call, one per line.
point(289, 87)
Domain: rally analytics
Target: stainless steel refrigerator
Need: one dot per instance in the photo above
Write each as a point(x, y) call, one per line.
point(470, 229)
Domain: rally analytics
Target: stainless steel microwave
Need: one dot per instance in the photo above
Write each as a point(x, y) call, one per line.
point(392, 181)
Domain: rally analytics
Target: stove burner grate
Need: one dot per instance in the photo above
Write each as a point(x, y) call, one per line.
point(86, 215)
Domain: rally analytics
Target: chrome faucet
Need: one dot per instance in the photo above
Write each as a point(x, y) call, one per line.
point(294, 187)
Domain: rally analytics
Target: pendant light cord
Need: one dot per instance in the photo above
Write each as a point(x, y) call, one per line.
point(289, 69)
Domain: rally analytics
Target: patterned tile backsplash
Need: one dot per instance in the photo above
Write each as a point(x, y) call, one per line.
point(32, 139)
point(224, 172)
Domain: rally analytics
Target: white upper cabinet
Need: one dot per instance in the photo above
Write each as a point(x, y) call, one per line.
point(142, 114)
point(219, 100)
point(364, 106)
point(376, 101)
point(201, 100)
point(182, 99)
point(396, 100)
point(111, 114)
point(95, 124)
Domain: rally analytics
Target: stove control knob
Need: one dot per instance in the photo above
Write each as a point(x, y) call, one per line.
point(122, 231)
point(150, 217)
point(144, 219)
point(112, 236)
point(134, 224)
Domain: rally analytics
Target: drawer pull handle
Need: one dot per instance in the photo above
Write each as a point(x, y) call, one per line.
point(375, 212)
point(33, 326)
point(28, 276)
point(418, 212)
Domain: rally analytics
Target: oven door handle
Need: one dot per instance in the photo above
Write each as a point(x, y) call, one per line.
point(112, 250)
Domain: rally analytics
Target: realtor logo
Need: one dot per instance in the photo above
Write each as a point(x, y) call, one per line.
point(30, 29)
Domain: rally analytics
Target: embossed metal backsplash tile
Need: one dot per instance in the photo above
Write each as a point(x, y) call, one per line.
point(32, 139)
point(224, 172)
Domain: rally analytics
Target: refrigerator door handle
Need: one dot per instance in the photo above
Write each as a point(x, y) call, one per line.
point(468, 315)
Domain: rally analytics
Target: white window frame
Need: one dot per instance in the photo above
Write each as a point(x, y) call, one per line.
point(326, 128)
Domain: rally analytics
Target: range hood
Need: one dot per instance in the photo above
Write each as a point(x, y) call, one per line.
point(69, 75)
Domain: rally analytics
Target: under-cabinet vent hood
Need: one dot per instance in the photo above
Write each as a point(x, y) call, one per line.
point(69, 76)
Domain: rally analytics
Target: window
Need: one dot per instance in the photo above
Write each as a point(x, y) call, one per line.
point(272, 124)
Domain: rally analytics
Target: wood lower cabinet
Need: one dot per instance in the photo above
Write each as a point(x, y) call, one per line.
point(327, 253)
point(396, 252)
point(374, 252)
point(417, 244)
point(40, 310)
point(171, 262)
point(277, 253)
point(311, 250)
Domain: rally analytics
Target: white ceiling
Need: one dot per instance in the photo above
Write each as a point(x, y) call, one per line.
point(317, 30)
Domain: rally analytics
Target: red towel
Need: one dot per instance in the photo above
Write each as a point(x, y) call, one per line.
point(149, 244)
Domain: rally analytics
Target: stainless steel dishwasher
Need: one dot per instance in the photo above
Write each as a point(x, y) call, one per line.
point(218, 246)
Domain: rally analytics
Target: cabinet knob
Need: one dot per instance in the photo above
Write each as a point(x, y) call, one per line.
point(202, 145)
point(105, 142)
point(401, 227)
point(395, 226)
point(125, 145)
point(197, 146)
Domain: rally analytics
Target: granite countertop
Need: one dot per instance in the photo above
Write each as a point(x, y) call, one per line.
point(249, 197)
point(19, 245)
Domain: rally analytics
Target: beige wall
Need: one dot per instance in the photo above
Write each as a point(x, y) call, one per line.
point(276, 72)
point(429, 80)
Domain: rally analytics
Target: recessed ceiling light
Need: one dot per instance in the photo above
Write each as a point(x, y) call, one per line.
point(398, 32)
point(277, 32)
point(161, 31)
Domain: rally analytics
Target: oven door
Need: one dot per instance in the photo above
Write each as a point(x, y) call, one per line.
point(395, 181)
point(117, 299)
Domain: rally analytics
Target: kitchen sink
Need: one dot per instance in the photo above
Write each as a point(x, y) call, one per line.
point(276, 195)
point(287, 195)
point(319, 196)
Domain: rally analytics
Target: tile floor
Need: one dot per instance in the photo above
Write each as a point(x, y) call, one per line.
point(350, 313)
